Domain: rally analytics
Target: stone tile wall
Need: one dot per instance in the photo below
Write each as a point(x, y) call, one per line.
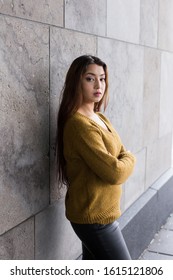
point(36, 49)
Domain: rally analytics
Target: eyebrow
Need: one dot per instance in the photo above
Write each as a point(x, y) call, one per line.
point(89, 73)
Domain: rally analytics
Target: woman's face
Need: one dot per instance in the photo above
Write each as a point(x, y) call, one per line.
point(93, 84)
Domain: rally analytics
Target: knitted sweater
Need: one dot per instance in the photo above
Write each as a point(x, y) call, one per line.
point(97, 165)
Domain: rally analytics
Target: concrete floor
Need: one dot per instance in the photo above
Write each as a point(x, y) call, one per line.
point(161, 247)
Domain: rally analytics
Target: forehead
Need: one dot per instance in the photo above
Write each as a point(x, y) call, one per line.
point(95, 69)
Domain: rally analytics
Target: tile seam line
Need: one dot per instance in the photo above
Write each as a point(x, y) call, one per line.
point(33, 216)
point(31, 20)
point(160, 253)
point(91, 34)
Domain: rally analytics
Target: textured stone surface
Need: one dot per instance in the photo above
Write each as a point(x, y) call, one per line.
point(155, 256)
point(136, 207)
point(166, 96)
point(165, 39)
point(24, 120)
point(138, 223)
point(158, 159)
point(147, 214)
point(169, 223)
point(123, 20)
point(160, 248)
point(151, 101)
point(135, 185)
point(50, 12)
point(125, 67)
point(27, 49)
point(55, 238)
point(87, 16)
point(18, 243)
point(65, 46)
point(166, 195)
point(162, 242)
point(149, 23)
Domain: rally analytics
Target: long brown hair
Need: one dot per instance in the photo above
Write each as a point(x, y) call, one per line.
point(70, 102)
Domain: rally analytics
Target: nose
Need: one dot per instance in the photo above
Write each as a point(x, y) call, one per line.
point(97, 84)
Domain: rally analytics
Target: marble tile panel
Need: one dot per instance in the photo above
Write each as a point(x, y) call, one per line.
point(158, 158)
point(125, 109)
point(151, 99)
point(54, 236)
point(65, 46)
point(87, 16)
point(24, 120)
point(149, 22)
point(50, 12)
point(135, 185)
point(166, 94)
point(123, 20)
point(18, 243)
point(165, 38)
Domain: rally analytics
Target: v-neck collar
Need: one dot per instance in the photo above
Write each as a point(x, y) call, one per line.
point(100, 116)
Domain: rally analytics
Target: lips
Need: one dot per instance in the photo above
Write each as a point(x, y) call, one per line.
point(98, 93)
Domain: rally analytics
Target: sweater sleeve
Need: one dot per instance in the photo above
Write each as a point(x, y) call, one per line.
point(91, 148)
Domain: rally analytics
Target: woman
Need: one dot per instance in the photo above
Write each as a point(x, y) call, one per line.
point(92, 161)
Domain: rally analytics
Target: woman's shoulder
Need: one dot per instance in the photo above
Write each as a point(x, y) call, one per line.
point(78, 121)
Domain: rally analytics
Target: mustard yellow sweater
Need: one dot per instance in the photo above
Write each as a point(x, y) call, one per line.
point(97, 165)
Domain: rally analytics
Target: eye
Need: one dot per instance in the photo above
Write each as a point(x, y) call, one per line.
point(102, 79)
point(90, 79)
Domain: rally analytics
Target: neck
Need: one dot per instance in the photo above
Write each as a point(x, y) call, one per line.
point(87, 110)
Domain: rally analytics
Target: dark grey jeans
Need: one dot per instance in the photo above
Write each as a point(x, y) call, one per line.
point(102, 242)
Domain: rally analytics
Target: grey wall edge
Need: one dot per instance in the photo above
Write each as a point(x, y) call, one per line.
point(144, 218)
